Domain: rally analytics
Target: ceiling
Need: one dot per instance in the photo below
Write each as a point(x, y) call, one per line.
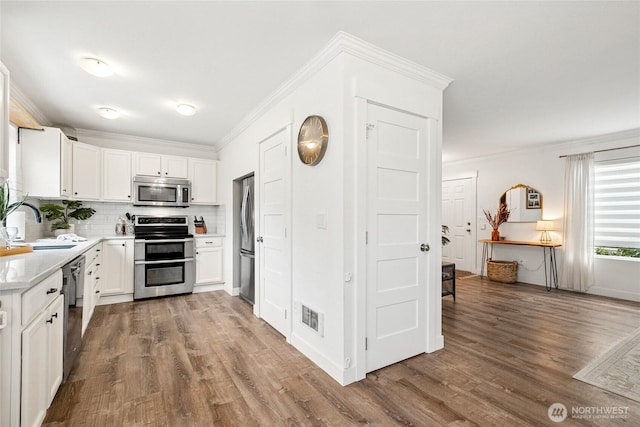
point(525, 73)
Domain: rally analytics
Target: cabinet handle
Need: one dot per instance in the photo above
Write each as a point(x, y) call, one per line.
point(129, 196)
point(123, 244)
point(97, 277)
point(209, 243)
point(52, 291)
point(49, 321)
point(89, 273)
point(159, 173)
point(76, 193)
point(166, 173)
point(3, 319)
point(197, 253)
point(97, 292)
point(97, 265)
point(97, 250)
point(54, 315)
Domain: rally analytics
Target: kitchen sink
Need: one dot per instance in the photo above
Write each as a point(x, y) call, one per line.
point(46, 247)
point(49, 244)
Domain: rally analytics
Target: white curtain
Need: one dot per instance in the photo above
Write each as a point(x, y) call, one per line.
point(577, 271)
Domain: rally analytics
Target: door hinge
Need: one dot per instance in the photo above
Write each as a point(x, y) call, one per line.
point(366, 237)
point(366, 343)
point(285, 233)
point(285, 314)
point(370, 126)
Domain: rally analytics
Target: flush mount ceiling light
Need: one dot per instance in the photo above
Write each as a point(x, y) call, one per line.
point(96, 67)
point(186, 109)
point(108, 113)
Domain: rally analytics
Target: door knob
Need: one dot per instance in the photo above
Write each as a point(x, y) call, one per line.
point(259, 239)
point(424, 247)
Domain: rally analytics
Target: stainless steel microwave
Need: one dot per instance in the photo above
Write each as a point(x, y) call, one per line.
point(152, 191)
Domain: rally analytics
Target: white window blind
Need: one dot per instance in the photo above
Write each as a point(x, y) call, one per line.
point(617, 203)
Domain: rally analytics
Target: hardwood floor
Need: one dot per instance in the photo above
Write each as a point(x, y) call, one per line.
point(204, 359)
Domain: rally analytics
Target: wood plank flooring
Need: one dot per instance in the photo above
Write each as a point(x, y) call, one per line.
point(204, 359)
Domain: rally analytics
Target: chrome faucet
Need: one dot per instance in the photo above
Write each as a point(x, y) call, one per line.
point(35, 210)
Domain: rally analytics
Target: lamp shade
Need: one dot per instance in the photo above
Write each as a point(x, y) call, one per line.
point(545, 226)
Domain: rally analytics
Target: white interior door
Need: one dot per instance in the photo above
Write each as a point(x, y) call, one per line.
point(274, 241)
point(397, 228)
point(458, 213)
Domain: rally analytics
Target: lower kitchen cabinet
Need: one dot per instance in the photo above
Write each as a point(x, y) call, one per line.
point(42, 349)
point(116, 269)
point(91, 291)
point(208, 260)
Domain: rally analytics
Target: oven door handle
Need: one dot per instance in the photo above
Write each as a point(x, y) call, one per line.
point(165, 261)
point(189, 239)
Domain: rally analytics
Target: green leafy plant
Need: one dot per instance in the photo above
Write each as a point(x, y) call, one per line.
point(626, 252)
point(445, 231)
point(60, 215)
point(6, 207)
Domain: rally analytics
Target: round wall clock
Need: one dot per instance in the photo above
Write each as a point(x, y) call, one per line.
point(312, 140)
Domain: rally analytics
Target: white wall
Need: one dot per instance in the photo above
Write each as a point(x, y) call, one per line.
point(326, 274)
point(542, 169)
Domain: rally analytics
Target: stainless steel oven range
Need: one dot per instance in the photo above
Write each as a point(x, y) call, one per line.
point(164, 256)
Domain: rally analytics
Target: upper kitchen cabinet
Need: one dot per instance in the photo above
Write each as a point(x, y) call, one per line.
point(160, 165)
point(4, 121)
point(203, 177)
point(46, 163)
point(86, 171)
point(116, 175)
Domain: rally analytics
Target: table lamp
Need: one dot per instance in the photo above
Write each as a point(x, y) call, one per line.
point(545, 227)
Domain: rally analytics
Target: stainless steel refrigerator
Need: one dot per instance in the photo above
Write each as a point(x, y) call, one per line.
point(247, 239)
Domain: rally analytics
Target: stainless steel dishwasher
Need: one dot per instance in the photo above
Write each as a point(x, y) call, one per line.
point(72, 282)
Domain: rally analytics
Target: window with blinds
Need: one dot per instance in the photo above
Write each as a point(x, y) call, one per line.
point(617, 207)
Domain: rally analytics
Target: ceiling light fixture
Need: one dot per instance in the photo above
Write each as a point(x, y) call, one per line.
point(186, 109)
point(96, 67)
point(108, 113)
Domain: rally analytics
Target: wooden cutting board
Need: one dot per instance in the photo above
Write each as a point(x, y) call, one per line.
point(16, 250)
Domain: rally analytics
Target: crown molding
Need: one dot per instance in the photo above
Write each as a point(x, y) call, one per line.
point(342, 42)
point(570, 146)
point(88, 133)
point(28, 105)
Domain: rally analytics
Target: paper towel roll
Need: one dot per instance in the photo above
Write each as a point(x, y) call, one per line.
point(17, 219)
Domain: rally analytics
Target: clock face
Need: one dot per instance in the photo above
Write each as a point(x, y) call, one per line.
point(312, 140)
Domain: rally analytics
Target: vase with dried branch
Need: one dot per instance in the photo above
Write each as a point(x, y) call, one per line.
point(497, 220)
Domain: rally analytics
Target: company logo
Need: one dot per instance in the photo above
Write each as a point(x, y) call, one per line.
point(557, 412)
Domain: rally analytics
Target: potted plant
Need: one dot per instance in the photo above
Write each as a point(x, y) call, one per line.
point(6, 207)
point(445, 231)
point(497, 220)
point(61, 215)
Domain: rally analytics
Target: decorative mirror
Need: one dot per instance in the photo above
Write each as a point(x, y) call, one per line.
point(524, 202)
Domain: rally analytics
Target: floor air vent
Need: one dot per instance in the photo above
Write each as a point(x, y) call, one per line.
point(313, 319)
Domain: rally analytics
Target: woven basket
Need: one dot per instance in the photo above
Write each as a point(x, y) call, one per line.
point(502, 271)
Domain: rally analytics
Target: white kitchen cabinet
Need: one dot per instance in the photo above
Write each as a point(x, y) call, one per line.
point(5, 359)
point(208, 260)
point(92, 272)
point(116, 277)
point(160, 165)
point(87, 176)
point(46, 163)
point(42, 348)
point(116, 175)
point(203, 176)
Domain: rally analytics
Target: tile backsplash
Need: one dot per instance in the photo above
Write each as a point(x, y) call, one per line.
point(103, 222)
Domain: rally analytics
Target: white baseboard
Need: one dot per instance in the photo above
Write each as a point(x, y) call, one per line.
point(342, 376)
point(114, 299)
point(208, 288)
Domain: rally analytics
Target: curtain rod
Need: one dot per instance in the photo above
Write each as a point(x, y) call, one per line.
point(601, 151)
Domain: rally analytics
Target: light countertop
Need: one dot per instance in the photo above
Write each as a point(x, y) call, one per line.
point(20, 272)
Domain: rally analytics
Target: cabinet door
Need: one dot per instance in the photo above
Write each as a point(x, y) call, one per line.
point(66, 168)
point(203, 174)
point(55, 348)
point(42, 162)
point(175, 167)
point(35, 340)
point(86, 172)
point(208, 265)
point(116, 175)
point(147, 164)
point(116, 275)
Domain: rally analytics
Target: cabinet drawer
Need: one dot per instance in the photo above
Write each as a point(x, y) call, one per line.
point(38, 297)
point(93, 254)
point(208, 242)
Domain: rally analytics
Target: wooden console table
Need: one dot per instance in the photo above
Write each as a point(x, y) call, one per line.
point(550, 271)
